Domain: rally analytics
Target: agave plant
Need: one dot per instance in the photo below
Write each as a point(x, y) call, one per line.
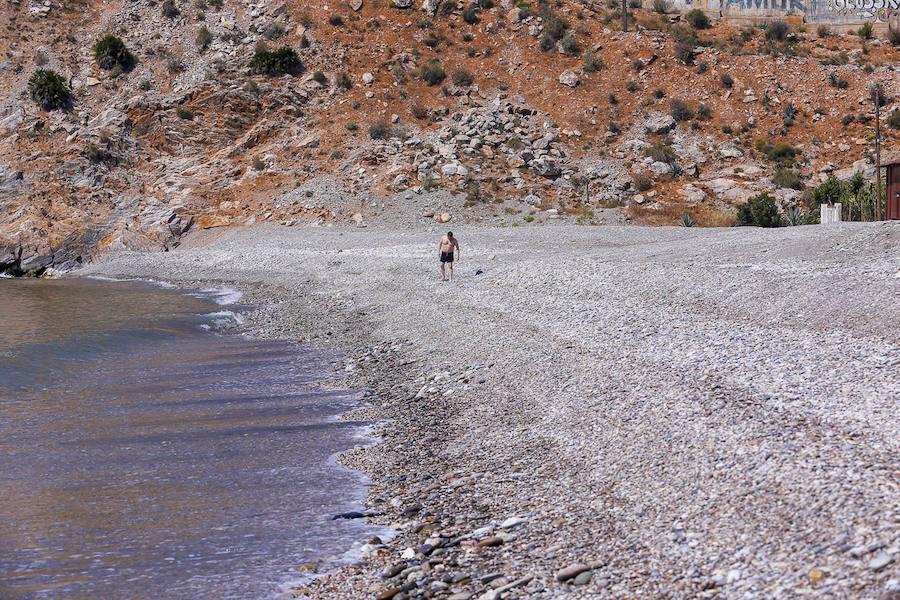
point(687, 220)
point(795, 215)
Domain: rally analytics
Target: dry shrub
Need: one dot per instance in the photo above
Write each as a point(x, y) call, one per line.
point(670, 214)
point(419, 111)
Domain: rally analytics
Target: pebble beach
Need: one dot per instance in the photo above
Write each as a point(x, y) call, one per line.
point(602, 412)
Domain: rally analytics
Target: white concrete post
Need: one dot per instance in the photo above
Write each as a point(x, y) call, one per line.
point(830, 214)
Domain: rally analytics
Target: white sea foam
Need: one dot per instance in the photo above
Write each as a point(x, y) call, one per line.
point(163, 284)
point(225, 317)
point(5, 276)
point(221, 296)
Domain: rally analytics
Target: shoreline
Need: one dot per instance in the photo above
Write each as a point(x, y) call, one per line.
point(584, 433)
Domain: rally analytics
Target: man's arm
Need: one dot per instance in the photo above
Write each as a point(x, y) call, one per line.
point(456, 243)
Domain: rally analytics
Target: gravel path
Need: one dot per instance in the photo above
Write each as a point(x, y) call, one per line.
point(707, 413)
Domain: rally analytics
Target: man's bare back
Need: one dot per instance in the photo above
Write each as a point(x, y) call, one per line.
point(446, 248)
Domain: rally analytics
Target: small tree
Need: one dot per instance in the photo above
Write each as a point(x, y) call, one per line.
point(759, 211)
point(110, 52)
point(865, 32)
point(283, 60)
point(697, 18)
point(48, 88)
point(827, 192)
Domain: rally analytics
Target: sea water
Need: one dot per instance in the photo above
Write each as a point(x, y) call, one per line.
point(146, 454)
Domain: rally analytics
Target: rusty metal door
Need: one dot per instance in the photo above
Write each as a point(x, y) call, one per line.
point(892, 193)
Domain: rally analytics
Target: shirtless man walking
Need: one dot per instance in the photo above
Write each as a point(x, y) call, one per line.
point(446, 247)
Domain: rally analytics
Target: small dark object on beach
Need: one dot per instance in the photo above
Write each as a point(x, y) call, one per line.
point(479, 272)
point(348, 515)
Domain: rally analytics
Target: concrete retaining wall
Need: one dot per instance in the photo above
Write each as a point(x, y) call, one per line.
point(810, 11)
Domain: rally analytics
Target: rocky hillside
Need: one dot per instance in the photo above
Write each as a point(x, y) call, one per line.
point(403, 114)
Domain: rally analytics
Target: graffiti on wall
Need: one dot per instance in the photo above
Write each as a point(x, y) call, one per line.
point(877, 10)
point(794, 6)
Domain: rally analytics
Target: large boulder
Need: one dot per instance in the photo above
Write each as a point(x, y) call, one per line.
point(692, 194)
point(10, 123)
point(569, 78)
point(546, 167)
point(658, 123)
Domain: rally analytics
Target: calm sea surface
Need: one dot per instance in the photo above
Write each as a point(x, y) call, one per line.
point(145, 456)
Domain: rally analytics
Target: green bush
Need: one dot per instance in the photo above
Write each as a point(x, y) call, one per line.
point(824, 31)
point(569, 44)
point(782, 152)
point(697, 18)
point(470, 15)
point(759, 211)
point(274, 30)
point(680, 110)
point(283, 60)
point(837, 82)
point(592, 62)
point(342, 80)
point(661, 152)
point(432, 73)
point(726, 80)
point(787, 178)
point(204, 38)
point(319, 77)
point(48, 89)
point(894, 120)
point(555, 26)
point(790, 113)
point(865, 32)
point(110, 52)
point(547, 42)
point(169, 10)
point(336, 20)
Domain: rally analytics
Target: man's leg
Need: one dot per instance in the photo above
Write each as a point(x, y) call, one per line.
point(451, 270)
point(443, 276)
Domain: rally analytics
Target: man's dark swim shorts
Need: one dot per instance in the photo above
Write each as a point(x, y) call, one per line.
point(447, 257)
